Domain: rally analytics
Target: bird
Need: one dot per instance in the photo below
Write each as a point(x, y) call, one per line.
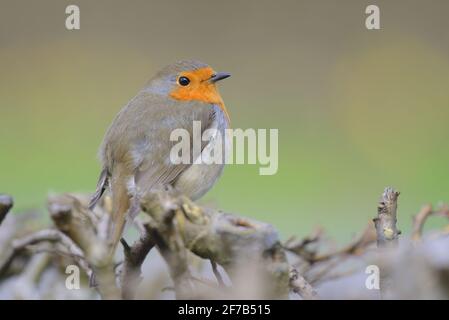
point(135, 151)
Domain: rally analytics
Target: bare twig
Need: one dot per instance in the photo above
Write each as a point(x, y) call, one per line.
point(420, 219)
point(357, 246)
point(299, 285)
point(6, 203)
point(217, 273)
point(301, 247)
point(134, 257)
point(54, 236)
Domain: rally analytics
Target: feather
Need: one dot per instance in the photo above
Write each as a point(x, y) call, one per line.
point(102, 184)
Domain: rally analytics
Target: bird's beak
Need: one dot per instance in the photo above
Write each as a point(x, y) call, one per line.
point(219, 76)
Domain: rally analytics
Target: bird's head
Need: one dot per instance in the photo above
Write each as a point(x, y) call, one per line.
point(189, 80)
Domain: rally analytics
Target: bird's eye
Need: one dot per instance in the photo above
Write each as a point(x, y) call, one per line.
point(183, 81)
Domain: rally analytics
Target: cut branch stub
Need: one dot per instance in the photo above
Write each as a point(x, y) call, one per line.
point(387, 233)
point(89, 233)
point(385, 222)
point(70, 217)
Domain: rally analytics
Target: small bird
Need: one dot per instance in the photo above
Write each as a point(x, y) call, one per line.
point(135, 152)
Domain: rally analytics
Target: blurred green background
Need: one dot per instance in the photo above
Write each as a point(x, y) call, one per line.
point(356, 110)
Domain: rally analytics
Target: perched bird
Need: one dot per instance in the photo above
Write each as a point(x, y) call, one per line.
point(135, 152)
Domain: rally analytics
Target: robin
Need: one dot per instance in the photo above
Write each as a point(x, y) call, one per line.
point(135, 152)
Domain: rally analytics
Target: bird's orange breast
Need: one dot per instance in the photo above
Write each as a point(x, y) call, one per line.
point(200, 89)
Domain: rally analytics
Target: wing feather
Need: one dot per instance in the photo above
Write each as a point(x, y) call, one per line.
point(139, 137)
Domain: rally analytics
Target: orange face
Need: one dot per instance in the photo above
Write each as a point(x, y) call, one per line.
point(198, 87)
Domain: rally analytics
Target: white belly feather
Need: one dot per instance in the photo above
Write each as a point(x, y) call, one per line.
point(201, 176)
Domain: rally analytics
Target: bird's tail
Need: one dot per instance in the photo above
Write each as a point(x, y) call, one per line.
point(120, 206)
point(120, 201)
point(102, 184)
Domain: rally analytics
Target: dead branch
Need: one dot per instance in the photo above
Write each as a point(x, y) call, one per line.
point(90, 232)
point(300, 247)
point(299, 285)
point(13, 227)
point(217, 273)
point(249, 251)
point(134, 257)
point(420, 219)
point(385, 222)
point(355, 247)
point(176, 227)
point(171, 246)
point(228, 240)
point(70, 249)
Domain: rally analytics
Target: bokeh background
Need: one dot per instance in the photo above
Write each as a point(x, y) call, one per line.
point(356, 110)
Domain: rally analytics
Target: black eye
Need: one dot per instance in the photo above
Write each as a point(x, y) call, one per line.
point(183, 81)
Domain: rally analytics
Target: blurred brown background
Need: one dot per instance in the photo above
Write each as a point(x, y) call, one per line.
point(356, 109)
